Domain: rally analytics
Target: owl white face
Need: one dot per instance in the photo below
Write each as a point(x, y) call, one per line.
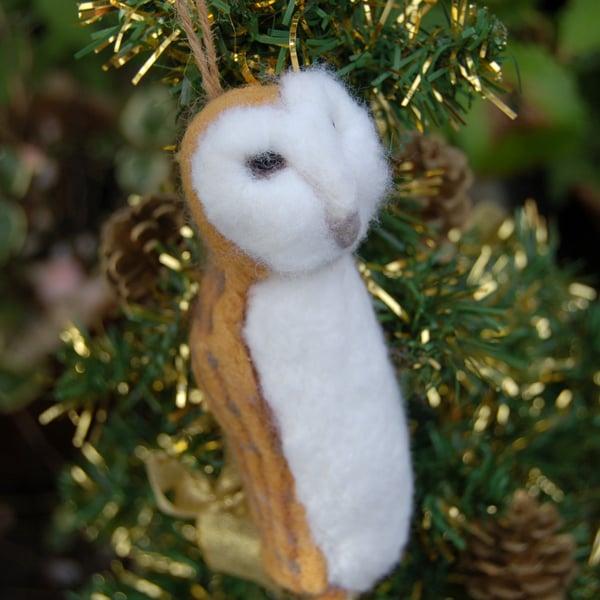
point(293, 184)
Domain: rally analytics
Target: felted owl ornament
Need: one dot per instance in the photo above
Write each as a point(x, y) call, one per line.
point(282, 181)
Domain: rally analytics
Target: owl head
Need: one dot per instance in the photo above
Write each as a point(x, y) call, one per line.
point(290, 174)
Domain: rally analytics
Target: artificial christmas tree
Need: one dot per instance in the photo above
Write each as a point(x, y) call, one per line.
point(495, 345)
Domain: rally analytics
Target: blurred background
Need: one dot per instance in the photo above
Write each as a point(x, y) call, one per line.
point(76, 140)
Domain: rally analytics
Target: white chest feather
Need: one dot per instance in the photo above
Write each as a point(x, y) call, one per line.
point(324, 370)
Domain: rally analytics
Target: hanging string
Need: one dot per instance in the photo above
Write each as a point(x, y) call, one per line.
point(204, 52)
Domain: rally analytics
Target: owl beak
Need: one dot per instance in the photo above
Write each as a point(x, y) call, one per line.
point(345, 229)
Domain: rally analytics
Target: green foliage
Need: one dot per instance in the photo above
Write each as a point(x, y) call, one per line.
point(560, 118)
point(387, 53)
point(124, 380)
point(38, 37)
point(18, 387)
point(148, 125)
point(498, 388)
point(61, 37)
point(12, 229)
point(15, 57)
point(14, 181)
point(498, 350)
point(577, 35)
point(555, 95)
point(502, 383)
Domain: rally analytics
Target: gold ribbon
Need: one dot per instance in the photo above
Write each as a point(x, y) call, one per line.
point(225, 532)
point(594, 559)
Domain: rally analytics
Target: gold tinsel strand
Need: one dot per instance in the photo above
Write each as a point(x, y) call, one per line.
point(158, 33)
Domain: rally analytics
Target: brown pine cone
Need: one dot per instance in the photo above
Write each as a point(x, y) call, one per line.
point(444, 200)
point(130, 246)
point(520, 556)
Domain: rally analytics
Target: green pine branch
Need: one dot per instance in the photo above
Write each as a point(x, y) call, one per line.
point(485, 388)
point(420, 64)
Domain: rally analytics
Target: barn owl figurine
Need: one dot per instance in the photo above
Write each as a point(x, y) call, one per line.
point(282, 181)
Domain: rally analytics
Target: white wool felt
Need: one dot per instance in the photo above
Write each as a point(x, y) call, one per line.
point(310, 327)
point(334, 167)
point(324, 371)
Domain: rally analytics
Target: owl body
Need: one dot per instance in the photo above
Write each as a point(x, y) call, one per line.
point(282, 182)
point(324, 372)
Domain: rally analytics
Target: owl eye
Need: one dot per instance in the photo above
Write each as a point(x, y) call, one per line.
point(266, 163)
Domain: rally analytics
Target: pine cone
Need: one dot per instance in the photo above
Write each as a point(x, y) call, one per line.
point(130, 242)
point(520, 556)
point(444, 200)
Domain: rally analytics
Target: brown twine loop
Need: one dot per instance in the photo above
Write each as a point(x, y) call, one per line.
point(204, 52)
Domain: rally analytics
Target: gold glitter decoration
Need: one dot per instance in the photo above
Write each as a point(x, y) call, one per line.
point(80, 477)
point(503, 414)
point(296, 35)
point(503, 393)
point(594, 559)
point(52, 412)
point(72, 335)
point(91, 12)
point(169, 261)
point(155, 56)
point(293, 41)
point(482, 419)
point(416, 83)
point(564, 399)
point(538, 482)
point(378, 292)
point(413, 14)
point(433, 397)
point(83, 425)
